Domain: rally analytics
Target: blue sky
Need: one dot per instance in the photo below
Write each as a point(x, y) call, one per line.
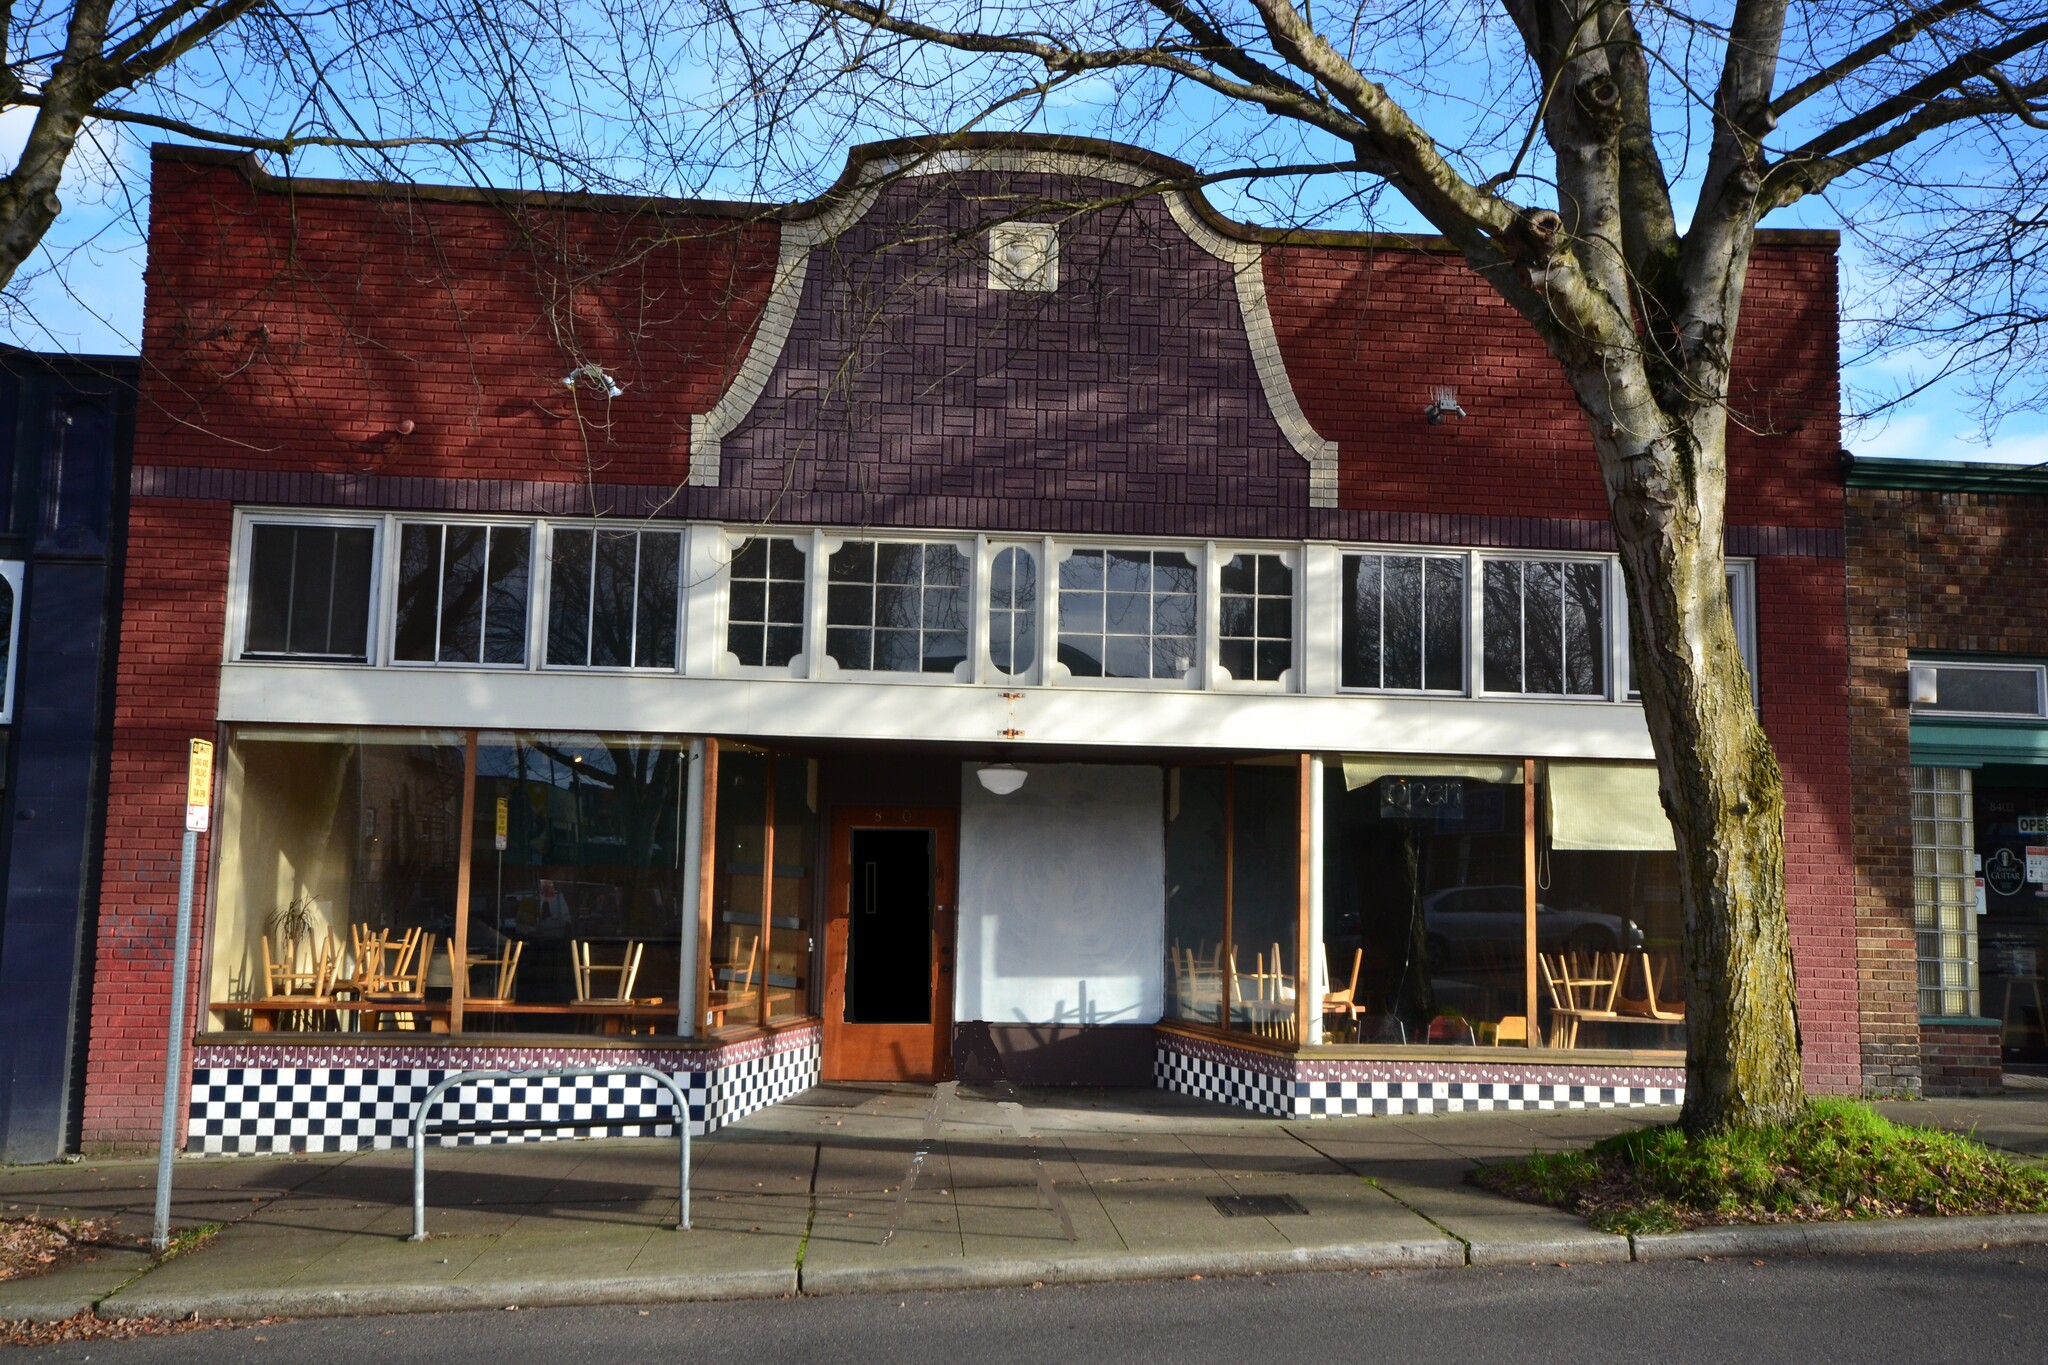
point(90, 301)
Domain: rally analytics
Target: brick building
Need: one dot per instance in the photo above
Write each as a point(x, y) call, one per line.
point(1949, 718)
point(1000, 618)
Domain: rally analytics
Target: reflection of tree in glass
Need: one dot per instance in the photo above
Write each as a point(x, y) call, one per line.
point(1013, 610)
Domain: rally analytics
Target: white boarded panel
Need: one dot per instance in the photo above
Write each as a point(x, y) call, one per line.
point(1062, 902)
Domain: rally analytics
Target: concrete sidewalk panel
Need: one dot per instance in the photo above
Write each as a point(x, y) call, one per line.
point(59, 1294)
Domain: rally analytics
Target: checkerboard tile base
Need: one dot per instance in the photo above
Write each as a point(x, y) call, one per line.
point(1304, 1087)
point(274, 1098)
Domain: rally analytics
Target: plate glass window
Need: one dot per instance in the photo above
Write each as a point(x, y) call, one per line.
point(1013, 610)
point(1404, 622)
point(612, 598)
point(1255, 635)
point(897, 608)
point(462, 593)
point(765, 606)
point(1127, 613)
point(1545, 627)
point(309, 591)
point(10, 598)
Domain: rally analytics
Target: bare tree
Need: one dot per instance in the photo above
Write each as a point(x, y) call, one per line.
point(1553, 142)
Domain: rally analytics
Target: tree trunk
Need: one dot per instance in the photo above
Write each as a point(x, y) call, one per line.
point(1720, 782)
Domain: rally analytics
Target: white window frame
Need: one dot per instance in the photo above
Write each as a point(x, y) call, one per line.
point(726, 545)
point(982, 623)
point(1210, 613)
point(1468, 626)
point(1741, 607)
point(544, 603)
point(15, 573)
point(540, 556)
point(1475, 650)
point(817, 605)
point(1197, 676)
point(2039, 672)
point(242, 552)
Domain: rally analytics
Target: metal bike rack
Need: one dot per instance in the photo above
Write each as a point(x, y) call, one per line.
point(433, 1096)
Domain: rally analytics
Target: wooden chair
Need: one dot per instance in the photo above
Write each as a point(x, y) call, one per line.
point(307, 992)
point(1513, 1028)
point(588, 971)
point(1265, 998)
point(1649, 1006)
point(1200, 988)
point(739, 990)
point(1581, 988)
point(1345, 1002)
point(506, 973)
point(403, 981)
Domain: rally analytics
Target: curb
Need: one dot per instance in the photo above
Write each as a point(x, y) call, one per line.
point(1436, 1254)
point(354, 1301)
point(1862, 1237)
point(1587, 1248)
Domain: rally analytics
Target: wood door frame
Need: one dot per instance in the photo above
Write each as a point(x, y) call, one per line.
point(887, 1052)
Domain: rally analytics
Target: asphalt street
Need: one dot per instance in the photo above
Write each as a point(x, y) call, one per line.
point(1976, 1307)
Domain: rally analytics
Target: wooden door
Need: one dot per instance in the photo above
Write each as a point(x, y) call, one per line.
point(889, 928)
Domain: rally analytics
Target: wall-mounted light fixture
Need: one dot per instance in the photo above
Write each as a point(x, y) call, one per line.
point(1923, 685)
point(1446, 402)
point(1000, 779)
point(593, 374)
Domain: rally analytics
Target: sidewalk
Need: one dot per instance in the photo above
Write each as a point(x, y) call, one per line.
point(807, 1197)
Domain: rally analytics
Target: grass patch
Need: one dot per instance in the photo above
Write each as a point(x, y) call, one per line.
point(185, 1241)
point(1838, 1160)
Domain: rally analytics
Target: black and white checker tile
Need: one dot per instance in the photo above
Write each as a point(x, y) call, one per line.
point(1267, 1084)
point(279, 1108)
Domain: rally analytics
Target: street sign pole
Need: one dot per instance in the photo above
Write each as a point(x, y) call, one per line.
point(198, 812)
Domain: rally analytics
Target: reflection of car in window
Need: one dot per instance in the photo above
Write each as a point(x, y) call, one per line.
point(1478, 923)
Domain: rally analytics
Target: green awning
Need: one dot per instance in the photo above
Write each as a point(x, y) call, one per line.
point(1974, 744)
point(1605, 806)
point(1362, 770)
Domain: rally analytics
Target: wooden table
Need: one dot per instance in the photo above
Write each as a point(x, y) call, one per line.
point(265, 1014)
point(612, 1015)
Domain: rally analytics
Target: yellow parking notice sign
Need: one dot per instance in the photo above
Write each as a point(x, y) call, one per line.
point(504, 821)
point(199, 786)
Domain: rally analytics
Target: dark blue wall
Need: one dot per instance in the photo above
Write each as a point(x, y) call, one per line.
point(66, 446)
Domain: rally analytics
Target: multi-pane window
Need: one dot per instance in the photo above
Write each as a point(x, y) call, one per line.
point(1404, 622)
point(1255, 622)
point(1127, 613)
point(897, 608)
point(1741, 607)
point(612, 597)
point(765, 603)
point(1013, 610)
point(462, 593)
point(1945, 891)
point(309, 591)
point(1544, 622)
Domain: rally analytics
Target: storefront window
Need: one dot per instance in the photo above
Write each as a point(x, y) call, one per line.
point(788, 978)
point(736, 950)
point(576, 862)
point(329, 837)
point(1599, 909)
point(1424, 905)
point(2011, 818)
point(1233, 870)
point(1194, 894)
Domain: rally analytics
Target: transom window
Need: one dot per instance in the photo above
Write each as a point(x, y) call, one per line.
point(1978, 689)
point(1255, 627)
point(1404, 622)
point(612, 597)
point(1545, 627)
point(897, 608)
point(309, 591)
point(1128, 613)
point(765, 602)
point(462, 593)
point(1013, 610)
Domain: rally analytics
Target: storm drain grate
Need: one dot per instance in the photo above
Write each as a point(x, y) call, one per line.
point(1256, 1205)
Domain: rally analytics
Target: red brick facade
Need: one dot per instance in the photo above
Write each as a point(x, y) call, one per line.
point(291, 335)
point(1931, 571)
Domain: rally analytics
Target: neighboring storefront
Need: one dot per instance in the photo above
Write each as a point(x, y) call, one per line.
point(907, 636)
point(1949, 652)
point(65, 427)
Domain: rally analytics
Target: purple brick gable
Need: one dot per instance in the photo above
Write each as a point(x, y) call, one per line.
point(1127, 400)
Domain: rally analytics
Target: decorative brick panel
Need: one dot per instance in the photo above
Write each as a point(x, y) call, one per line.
point(1960, 1059)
